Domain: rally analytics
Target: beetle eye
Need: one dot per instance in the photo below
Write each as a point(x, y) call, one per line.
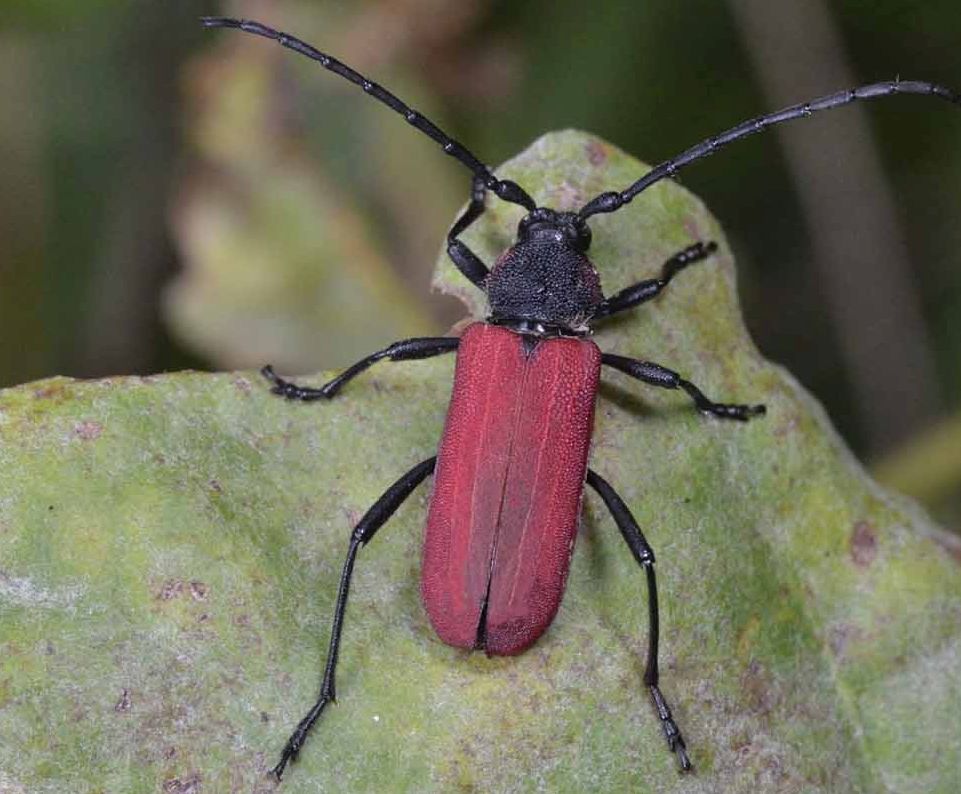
point(582, 238)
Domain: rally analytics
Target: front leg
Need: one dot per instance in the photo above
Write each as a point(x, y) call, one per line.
point(466, 261)
point(404, 350)
point(656, 375)
point(645, 290)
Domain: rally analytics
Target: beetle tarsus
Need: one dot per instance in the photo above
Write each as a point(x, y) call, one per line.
point(291, 391)
point(675, 741)
point(737, 412)
point(278, 771)
point(298, 737)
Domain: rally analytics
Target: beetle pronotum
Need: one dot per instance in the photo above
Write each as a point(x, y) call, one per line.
point(512, 464)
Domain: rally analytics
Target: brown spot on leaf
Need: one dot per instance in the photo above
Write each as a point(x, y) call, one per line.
point(787, 426)
point(186, 785)
point(596, 153)
point(353, 516)
point(170, 589)
point(757, 688)
point(841, 635)
point(567, 197)
point(693, 228)
point(950, 544)
point(863, 544)
point(747, 635)
point(88, 431)
point(123, 704)
point(49, 392)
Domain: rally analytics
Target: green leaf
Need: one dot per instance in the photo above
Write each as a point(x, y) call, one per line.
point(170, 549)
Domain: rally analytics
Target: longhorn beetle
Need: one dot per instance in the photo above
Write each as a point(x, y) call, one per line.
point(510, 472)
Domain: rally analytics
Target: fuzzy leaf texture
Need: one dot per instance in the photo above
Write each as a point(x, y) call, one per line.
point(170, 549)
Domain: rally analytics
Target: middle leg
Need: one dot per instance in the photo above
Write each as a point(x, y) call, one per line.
point(656, 375)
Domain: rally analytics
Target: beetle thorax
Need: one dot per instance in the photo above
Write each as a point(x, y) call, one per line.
point(546, 279)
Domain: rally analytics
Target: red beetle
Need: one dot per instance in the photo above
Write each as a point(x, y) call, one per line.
point(510, 473)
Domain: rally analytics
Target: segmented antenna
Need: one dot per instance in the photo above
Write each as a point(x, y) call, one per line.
point(503, 188)
point(609, 202)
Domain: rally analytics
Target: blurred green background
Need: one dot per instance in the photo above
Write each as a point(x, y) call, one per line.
point(172, 197)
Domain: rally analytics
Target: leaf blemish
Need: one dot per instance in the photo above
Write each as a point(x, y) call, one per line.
point(123, 703)
point(88, 431)
point(863, 544)
point(170, 589)
point(49, 391)
point(187, 785)
point(842, 635)
point(596, 155)
point(951, 545)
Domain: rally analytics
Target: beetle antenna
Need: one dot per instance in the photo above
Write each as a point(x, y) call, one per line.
point(609, 202)
point(502, 188)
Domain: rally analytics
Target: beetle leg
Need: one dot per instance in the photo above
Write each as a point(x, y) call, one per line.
point(373, 519)
point(404, 350)
point(644, 555)
point(467, 261)
point(656, 375)
point(643, 291)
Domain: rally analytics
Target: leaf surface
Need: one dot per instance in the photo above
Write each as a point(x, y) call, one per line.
point(170, 549)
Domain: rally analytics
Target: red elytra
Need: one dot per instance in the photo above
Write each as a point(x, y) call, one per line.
point(507, 488)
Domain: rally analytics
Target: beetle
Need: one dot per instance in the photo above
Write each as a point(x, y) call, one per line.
point(511, 468)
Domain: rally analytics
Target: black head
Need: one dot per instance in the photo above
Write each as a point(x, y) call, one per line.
point(550, 225)
point(544, 283)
